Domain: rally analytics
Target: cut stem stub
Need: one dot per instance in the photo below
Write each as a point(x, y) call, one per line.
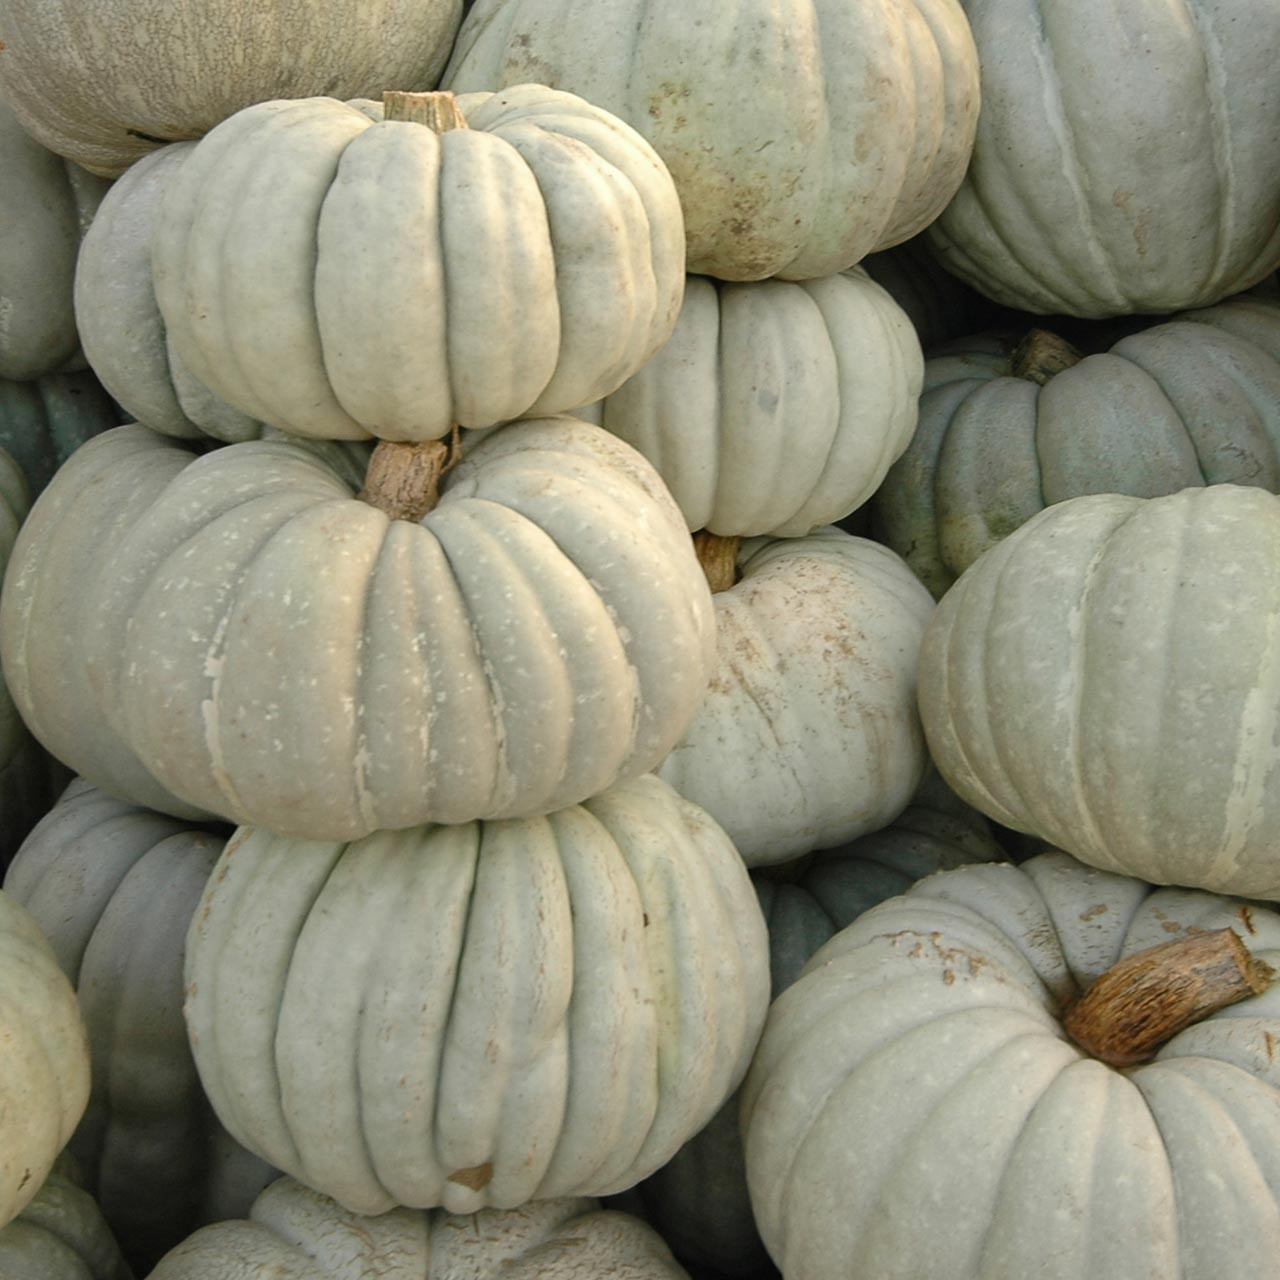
point(1041, 355)
point(438, 111)
point(403, 480)
point(1146, 999)
point(718, 557)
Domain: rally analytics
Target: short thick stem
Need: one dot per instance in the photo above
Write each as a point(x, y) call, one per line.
point(438, 111)
point(403, 480)
point(1146, 999)
point(1042, 355)
point(718, 557)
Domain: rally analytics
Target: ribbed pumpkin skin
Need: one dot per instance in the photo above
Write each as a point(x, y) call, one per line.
point(45, 1082)
point(114, 888)
point(478, 1015)
point(1192, 401)
point(920, 1061)
point(107, 83)
point(775, 408)
point(801, 134)
point(1127, 157)
point(1106, 678)
point(45, 206)
point(294, 1233)
point(522, 266)
point(61, 1235)
point(808, 734)
point(250, 641)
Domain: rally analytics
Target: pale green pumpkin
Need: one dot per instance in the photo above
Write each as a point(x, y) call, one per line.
point(44, 421)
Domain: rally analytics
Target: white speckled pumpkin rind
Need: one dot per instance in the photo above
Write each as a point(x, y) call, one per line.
point(920, 1060)
point(1106, 679)
point(237, 635)
point(481, 1014)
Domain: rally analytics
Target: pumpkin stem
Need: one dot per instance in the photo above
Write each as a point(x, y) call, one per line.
point(438, 110)
point(403, 480)
point(718, 557)
point(1146, 999)
point(1041, 355)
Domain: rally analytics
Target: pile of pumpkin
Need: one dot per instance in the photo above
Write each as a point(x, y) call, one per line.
point(482, 529)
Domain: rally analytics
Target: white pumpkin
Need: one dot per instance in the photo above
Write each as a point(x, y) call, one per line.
point(237, 634)
point(918, 1110)
point(341, 275)
point(107, 83)
point(808, 735)
point(479, 1015)
point(775, 408)
point(801, 134)
point(297, 1234)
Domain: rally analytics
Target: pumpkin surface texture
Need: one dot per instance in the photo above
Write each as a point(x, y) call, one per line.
point(1007, 430)
point(801, 134)
point(479, 1015)
point(297, 1234)
point(237, 634)
point(114, 888)
point(921, 1074)
point(1127, 157)
point(1105, 678)
point(132, 76)
point(525, 263)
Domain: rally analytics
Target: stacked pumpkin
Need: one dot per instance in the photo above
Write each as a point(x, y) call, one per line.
point(396, 570)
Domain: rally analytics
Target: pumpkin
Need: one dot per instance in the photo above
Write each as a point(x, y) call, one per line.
point(44, 1085)
point(237, 634)
point(801, 134)
point(61, 1235)
point(297, 1234)
point(106, 85)
point(699, 1198)
point(114, 888)
point(44, 421)
point(45, 206)
point(1127, 157)
point(775, 408)
point(477, 1015)
point(1104, 678)
point(1005, 430)
point(808, 735)
point(521, 253)
point(939, 1095)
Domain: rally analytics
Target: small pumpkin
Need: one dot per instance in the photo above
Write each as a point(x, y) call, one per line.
point(921, 1103)
point(774, 408)
point(252, 640)
point(114, 888)
point(342, 273)
point(297, 1234)
point(477, 1015)
point(1105, 679)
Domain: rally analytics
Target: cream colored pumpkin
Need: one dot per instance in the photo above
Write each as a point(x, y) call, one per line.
point(237, 634)
point(479, 1015)
point(801, 134)
point(44, 1073)
point(340, 275)
point(297, 1234)
point(45, 206)
point(808, 735)
point(774, 408)
point(107, 83)
point(114, 888)
point(917, 1111)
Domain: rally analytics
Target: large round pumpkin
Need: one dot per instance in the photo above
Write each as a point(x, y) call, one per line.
point(342, 275)
point(1005, 430)
point(1105, 678)
point(775, 408)
point(114, 888)
point(802, 134)
point(297, 1234)
point(808, 734)
point(918, 1110)
point(45, 206)
point(479, 1015)
point(106, 83)
point(1127, 157)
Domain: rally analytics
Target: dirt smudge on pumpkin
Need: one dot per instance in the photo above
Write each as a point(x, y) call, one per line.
point(475, 1178)
point(1094, 912)
point(1246, 918)
point(1270, 1041)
